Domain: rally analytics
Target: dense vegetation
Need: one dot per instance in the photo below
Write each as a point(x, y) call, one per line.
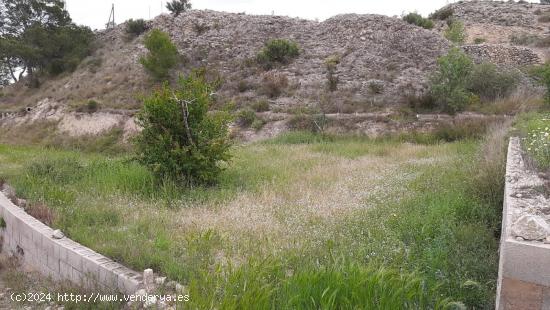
point(458, 82)
point(38, 35)
point(180, 139)
point(417, 19)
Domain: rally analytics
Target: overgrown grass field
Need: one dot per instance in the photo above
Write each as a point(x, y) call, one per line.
point(298, 222)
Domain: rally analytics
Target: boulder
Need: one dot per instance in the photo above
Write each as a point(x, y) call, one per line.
point(531, 227)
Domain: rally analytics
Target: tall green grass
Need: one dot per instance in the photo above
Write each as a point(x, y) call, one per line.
point(436, 244)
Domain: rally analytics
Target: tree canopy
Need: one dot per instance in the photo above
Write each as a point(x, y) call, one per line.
point(39, 35)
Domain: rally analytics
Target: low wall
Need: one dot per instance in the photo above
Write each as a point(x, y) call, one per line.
point(61, 259)
point(524, 266)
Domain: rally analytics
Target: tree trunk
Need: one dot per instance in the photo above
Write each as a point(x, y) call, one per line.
point(33, 80)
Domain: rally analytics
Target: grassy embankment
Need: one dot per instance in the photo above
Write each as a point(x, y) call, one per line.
point(344, 223)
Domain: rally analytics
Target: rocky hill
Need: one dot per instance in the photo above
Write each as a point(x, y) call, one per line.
point(382, 59)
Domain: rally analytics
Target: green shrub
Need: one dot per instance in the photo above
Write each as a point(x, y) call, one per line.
point(479, 40)
point(278, 51)
point(331, 64)
point(257, 124)
point(261, 106)
point(490, 83)
point(448, 83)
point(180, 139)
point(442, 14)
point(136, 27)
point(417, 19)
point(92, 106)
point(177, 7)
point(163, 54)
point(376, 87)
point(246, 117)
point(456, 32)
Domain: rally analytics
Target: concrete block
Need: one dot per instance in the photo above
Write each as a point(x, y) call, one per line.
point(74, 259)
point(77, 277)
point(522, 295)
point(53, 263)
point(108, 278)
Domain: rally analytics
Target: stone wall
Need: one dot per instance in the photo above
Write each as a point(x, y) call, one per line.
point(524, 272)
point(61, 259)
point(513, 56)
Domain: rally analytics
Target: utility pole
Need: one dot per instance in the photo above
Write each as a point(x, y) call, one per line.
point(111, 22)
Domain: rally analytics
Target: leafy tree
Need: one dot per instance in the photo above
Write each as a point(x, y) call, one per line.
point(163, 54)
point(180, 139)
point(39, 34)
point(448, 84)
point(178, 6)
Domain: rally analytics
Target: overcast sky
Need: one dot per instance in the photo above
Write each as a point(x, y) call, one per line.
point(96, 13)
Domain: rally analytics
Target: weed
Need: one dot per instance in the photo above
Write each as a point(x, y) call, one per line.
point(274, 84)
point(261, 106)
point(479, 40)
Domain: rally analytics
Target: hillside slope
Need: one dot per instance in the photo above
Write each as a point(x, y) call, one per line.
point(383, 59)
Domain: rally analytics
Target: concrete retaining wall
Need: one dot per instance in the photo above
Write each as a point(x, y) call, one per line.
point(524, 267)
point(61, 259)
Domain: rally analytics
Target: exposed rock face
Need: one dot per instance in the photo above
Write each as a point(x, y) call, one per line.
point(502, 54)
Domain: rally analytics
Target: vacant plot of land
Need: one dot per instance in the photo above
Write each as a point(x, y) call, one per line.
point(344, 223)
